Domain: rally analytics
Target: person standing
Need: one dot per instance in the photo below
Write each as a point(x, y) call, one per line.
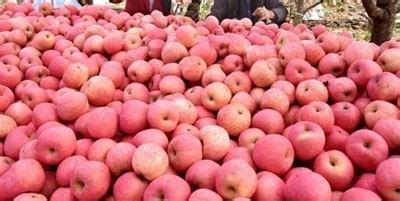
point(268, 10)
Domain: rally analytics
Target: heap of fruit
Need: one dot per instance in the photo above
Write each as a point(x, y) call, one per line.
point(100, 105)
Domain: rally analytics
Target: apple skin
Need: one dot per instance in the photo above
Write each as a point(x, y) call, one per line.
point(378, 110)
point(129, 186)
point(268, 120)
point(307, 186)
point(5, 164)
point(119, 156)
point(16, 139)
point(150, 169)
point(30, 196)
point(7, 97)
point(98, 149)
point(27, 175)
point(318, 112)
point(336, 139)
point(366, 149)
point(170, 187)
point(183, 151)
point(347, 115)
point(387, 178)
point(63, 194)
point(336, 168)
point(55, 144)
point(367, 181)
point(306, 134)
point(234, 117)
point(151, 135)
point(269, 187)
point(360, 194)
point(235, 179)
point(202, 174)
point(215, 141)
point(311, 90)
point(66, 168)
point(386, 128)
point(283, 154)
point(383, 86)
point(204, 194)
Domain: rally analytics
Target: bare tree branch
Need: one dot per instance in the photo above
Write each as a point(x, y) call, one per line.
point(313, 6)
point(372, 10)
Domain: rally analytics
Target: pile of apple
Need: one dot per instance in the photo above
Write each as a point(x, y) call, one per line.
point(100, 105)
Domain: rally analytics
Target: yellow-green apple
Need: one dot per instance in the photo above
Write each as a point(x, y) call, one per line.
point(336, 168)
point(366, 149)
point(273, 153)
point(90, 180)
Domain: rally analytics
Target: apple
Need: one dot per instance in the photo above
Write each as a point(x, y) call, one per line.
point(367, 181)
point(274, 148)
point(169, 187)
point(387, 62)
point(307, 186)
point(366, 149)
point(387, 176)
point(306, 134)
point(129, 187)
point(204, 194)
point(215, 141)
point(90, 180)
point(342, 89)
point(26, 175)
point(99, 90)
point(99, 149)
point(119, 157)
point(378, 110)
point(64, 194)
point(383, 86)
point(215, 96)
point(311, 90)
point(347, 115)
point(66, 168)
point(8, 124)
point(143, 164)
point(262, 74)
point(359, 194)
point(298, 70)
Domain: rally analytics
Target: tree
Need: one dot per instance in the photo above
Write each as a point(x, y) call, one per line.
point(382, 14)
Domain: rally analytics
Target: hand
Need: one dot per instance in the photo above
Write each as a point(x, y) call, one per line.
point(264, 14)
point(184, 2)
